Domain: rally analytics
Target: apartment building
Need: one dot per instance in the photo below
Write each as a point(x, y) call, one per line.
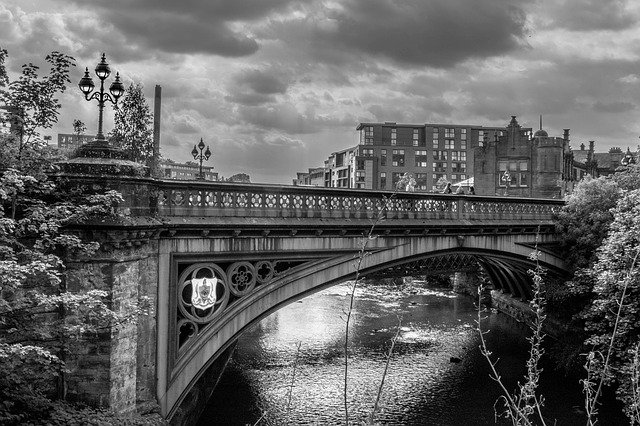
point(431, 153)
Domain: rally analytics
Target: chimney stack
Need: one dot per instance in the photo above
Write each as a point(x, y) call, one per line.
point(155, 161)
point(565, 136)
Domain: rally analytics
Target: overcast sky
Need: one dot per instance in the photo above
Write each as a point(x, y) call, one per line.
point(275, 86)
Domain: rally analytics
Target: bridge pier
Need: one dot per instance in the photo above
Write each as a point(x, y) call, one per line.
point(116, 367)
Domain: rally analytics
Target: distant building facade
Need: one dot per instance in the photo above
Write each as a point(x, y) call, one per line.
point(72, 140)
point(521, 164)
point(431, 153)
point(314, 177)
point(186, 171)
point(511, 160)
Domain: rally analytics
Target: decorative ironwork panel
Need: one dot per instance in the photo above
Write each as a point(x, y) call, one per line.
point(242, 278)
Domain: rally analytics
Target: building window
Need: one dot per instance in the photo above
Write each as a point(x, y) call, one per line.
point(383, 157)
point(449, 144)
point(383, 180)
point(360, 165)
point(459, 167)
point(360, 176)
point(397, 159)
point(394, 137)
point(366, 135)
point(439, 167)
point(481, 137)
point(421, 181)
point(440, 155)
point(367, 152)
point(421, 158)
point(518, 173)
point(435, 138)
point(416, 136)
point(449, 133)
point(463, 134)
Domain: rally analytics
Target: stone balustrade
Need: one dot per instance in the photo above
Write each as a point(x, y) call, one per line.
point(209, 199)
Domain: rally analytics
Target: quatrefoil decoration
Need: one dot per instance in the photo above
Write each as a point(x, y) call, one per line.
point(242, 278)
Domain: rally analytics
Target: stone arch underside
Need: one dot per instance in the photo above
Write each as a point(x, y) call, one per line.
point(505, 263)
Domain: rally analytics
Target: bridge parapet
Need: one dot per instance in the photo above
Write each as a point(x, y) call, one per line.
point(213, 199)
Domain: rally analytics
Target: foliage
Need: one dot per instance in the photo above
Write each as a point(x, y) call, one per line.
point(133, 130)
point(628, 178)
point(38, 315)
point(239, 177)
point(613, 318)
point(584, 221)
point(525, 406)
point(31, 99)
point(79, 128)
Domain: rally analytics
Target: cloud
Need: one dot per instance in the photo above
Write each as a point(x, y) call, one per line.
point(591, 15)
point(254, 87)
point(436, 33)
point(262, 157)
point(613, 107)
point(189, 26)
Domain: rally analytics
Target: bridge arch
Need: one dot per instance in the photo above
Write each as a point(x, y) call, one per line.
point(505, 258)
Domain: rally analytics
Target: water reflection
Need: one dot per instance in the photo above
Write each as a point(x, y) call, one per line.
point(423, 385)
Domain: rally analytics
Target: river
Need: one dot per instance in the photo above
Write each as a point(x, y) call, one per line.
point(436, 375)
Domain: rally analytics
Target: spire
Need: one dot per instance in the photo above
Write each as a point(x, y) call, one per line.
point(540, 122)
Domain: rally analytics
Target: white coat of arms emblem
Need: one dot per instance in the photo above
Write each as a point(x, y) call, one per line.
point(203, 292)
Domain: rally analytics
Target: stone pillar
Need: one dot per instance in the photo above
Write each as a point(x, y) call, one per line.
point(115, 368)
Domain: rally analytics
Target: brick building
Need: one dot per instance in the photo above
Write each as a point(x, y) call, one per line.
point(519, 163)
point(431, 153)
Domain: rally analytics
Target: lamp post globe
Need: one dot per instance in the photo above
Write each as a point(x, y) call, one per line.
point(87, 86)
point(197, 154)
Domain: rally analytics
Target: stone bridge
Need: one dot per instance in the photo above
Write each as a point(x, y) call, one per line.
point(268, 246)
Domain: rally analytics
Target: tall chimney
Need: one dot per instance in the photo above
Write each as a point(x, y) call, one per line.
point(155, 160)
point(565, 136)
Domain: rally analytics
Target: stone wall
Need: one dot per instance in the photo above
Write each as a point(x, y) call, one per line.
point(116, 368)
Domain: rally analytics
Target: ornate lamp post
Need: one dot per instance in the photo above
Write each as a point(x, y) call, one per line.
point(506, 178)
point(86, 85)
point(200, 156)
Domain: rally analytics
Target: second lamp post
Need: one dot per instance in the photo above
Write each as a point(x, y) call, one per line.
point(200, 156)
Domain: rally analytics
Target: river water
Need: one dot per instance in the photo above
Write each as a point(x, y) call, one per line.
point(288, 369)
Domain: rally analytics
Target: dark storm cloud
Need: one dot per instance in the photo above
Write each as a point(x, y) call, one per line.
point(186, 26)
point(438, 33)
point(263, 82)
point(590, 15)
point(255, 87)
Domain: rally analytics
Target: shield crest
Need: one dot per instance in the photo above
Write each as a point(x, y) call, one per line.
point(203, 292)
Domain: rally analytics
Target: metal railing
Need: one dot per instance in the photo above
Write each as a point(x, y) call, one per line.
point(216, 199)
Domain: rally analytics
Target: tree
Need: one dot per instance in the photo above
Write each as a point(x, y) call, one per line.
point(584, 221)
point(38, 315)
point(613, 317)
point(133, 130)
point(31, 99)
point(79, 128)
point(239, 177)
